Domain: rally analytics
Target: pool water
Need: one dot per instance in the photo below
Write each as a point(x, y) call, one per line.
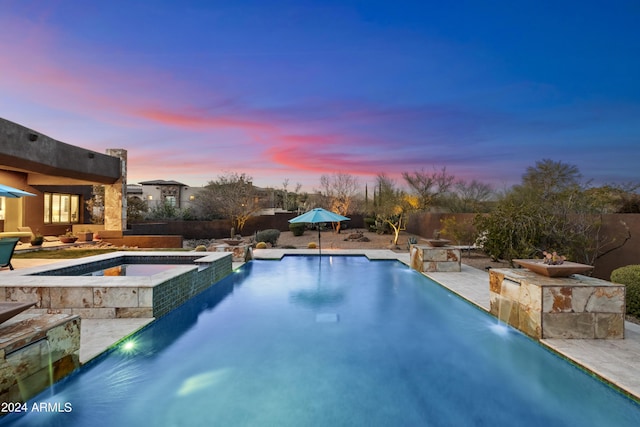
point(339, 342)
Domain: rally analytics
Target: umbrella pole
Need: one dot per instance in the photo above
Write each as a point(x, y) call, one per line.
point(319, 244)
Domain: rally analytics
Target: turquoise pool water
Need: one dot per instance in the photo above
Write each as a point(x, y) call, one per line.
point(341, 342)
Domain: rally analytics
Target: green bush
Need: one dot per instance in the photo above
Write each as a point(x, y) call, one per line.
point(382, 227)
point(270, 235)
point(297, 228)
point(630, 277)
point(370, 223)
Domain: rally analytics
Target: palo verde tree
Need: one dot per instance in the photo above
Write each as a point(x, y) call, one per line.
point(392, 206)
point(231, 196)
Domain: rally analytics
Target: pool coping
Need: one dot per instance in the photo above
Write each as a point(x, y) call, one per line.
point(26, 276)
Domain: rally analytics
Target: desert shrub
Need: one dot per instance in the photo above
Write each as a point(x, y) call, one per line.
point(370, 223)
point(270, 235)
point(200, 248)
point(297, 228)
point(312, 245)
point(261, 245)
point(630, 277)
point(382, 227)
point(463, 233)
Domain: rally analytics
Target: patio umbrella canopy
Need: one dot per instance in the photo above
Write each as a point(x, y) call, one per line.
point(14, 193)
point(317, 216)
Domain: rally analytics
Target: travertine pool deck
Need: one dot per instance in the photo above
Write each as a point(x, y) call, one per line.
point(615, 361)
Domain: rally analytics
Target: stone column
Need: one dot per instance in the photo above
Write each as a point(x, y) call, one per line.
point(435, 259)
point(115, 195)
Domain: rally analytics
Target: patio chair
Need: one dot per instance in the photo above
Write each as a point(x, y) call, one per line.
point(7, 246)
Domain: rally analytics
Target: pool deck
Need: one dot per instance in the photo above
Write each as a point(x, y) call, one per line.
point(615, 361)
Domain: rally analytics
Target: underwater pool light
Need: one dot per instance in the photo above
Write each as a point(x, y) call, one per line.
point(128, 346)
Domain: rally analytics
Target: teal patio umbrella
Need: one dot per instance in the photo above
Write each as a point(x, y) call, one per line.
point(317, 216)
point(14, 193)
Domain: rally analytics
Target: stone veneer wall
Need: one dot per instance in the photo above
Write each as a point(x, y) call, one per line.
point(435, 259)
point(121, 297)
point(544, 307)
point(34, 351)
point(240, 253)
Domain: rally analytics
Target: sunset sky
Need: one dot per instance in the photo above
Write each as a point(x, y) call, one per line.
point(294, 89)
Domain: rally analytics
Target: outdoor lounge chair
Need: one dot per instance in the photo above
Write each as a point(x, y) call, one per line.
point(7, 246)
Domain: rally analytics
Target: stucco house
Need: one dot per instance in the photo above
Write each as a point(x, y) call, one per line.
point(61, 176)
point(159, 191)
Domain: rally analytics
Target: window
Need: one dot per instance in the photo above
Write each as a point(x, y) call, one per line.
point(61, 208)
point(170, 200)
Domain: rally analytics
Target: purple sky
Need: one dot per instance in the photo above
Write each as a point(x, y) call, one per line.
point(296, 89)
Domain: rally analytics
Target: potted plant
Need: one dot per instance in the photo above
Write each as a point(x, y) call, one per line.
point(68, 237)
point(235, 239)
point(37, 239)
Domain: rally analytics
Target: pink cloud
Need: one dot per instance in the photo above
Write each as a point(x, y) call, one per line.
point(198, 121)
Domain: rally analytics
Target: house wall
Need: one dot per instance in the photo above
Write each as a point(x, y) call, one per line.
point(614, 232)
point(14, 208)
point(30, 151)
point(36, 163)
point(28, 211)
point(153, 194)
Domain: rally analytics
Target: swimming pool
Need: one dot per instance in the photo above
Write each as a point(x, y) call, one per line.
point(344, 341)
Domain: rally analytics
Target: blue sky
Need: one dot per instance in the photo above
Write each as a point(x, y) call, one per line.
point(296, 89)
